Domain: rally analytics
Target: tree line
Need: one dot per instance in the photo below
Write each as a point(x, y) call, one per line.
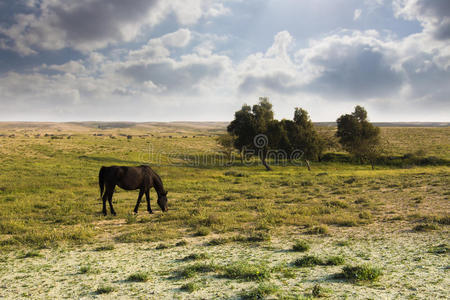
point(255, 132)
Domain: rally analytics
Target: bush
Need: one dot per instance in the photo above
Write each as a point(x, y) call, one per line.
point(301, 246)
point(308, 261)
point(361, 273)
point(104, 289)
point(190, 287)
point(139, 277)
point(203, 231)
point(260, 292)
point(425, 227)
point(246, 271)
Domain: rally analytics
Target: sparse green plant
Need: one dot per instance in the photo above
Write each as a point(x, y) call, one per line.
point(319, 292)
point(334, 261)
point(181, 243)
point(361, 273)
point(320, 229)
point(161, 246)
point(426, 227)
point(262, 291)
point(192, 270)
point(139, 277)
point(203, 231)
point(245, 271)
point(196, 256)
point(105, 248)
point(301, 246)
point(87, 269)
point(190, 287)
point(308, 261)
point(218, 241)
point(131, 218)
point(440, 249)
point(31, 254)
point(104, 289)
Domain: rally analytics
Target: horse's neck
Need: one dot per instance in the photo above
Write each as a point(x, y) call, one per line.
point(158, 185)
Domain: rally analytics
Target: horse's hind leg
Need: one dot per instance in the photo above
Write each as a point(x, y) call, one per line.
point(110, 192)
point(147, 197)
point(105, 196)
point(141, 192)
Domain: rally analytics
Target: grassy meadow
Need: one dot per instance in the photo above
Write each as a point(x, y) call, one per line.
point(340, 230)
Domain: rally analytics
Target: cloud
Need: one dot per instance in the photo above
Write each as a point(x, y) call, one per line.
point(357, 14)
point(433, 15)
point(87, 25)
point(359, 65)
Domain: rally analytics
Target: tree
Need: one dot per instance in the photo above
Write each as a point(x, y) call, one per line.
point(257, 130)
point(242, 128)
point(226, 142)
point(358, 136)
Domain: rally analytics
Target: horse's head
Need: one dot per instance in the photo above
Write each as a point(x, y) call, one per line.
point(162, 201)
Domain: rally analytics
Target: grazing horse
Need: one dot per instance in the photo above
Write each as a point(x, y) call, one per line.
point(131, 178)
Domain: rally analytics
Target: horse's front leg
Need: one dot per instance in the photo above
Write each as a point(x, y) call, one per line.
point(147, 197)
point(141, 192)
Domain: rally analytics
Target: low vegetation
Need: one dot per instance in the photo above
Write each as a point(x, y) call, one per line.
point(232, 230)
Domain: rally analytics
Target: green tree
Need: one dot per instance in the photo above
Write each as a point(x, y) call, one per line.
point(358, 136)
point(243, 129)
point(226, 142)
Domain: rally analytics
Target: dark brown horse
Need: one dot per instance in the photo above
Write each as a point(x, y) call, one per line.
point(131, 178)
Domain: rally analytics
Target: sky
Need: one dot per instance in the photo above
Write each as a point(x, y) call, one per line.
point(201, 60)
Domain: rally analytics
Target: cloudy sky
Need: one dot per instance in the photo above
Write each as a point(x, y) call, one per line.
point(200, 60)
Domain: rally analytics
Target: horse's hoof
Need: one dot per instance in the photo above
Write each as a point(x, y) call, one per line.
point(113, 213)
point(150, 212)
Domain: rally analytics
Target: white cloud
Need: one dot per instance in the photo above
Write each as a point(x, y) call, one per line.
point(357, 14)
point(433, 15)
point(87, 25)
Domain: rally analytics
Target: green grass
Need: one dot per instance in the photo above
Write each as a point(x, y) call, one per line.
point(105, 248)
point(196, 256)
point(139, 277)
point(262, 291)
point(425, 227)
point(311, 261)
point(195, 269)
point(301, 246)
point(104, 289)
point(246, 271)
point(361, 273)
point(190, 287)
point(52, 198)
point(31, 254)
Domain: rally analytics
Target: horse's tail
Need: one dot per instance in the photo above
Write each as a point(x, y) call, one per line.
point(101, 180)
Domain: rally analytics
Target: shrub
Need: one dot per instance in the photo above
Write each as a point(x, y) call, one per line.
point(104, 289)
point(30, 254)
point(192, 270)
point(335, 261)
point(246, 271)
point(321, 229)
point(260, 292)
point(361, 273)
point(301, 246)
point(190, 287)
point(196, 256)
point(308, 261)
point(203, 231)
point(139, 277)
point(104, 248)
point(425, 227)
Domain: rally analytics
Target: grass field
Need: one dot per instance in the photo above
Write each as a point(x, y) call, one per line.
point(230, 230)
